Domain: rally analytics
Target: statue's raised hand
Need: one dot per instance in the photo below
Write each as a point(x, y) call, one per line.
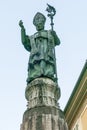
point(21, 24)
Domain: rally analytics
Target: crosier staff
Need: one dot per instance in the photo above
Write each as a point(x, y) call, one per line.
point(51, 12)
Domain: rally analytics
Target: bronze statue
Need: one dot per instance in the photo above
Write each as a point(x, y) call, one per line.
point(41, 47)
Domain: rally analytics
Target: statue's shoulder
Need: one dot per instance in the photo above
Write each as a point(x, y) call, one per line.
point(43, 33)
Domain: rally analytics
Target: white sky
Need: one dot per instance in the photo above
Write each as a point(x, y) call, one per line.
point(71, 27)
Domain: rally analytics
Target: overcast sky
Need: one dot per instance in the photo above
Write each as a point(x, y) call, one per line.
point(70, 24)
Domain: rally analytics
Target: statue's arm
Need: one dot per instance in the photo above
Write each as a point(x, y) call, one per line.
point(24, 38)
point(56, 39)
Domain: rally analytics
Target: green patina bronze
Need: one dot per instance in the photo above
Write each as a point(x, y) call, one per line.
point(41, 47)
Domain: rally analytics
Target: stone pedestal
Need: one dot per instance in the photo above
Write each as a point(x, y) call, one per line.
point(42, 91)
point(42, 111)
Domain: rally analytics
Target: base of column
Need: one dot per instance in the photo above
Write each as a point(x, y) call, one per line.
point(43, 118)
point(43, 112)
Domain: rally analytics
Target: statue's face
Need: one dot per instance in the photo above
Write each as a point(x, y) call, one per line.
point(39, 22)
point(40, 26)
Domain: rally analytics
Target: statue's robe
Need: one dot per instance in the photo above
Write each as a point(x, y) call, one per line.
point(42, 58)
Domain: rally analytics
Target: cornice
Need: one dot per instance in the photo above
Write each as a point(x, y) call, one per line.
point(77, 97)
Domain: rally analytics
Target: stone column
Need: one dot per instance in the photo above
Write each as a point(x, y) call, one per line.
point(42, 111)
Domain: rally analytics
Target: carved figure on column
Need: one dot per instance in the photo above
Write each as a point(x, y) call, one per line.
point(41, 47)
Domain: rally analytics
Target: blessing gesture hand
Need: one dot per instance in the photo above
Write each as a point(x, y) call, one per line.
point(21, 24)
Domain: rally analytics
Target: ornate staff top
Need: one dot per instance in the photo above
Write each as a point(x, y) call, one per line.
point(51, 12)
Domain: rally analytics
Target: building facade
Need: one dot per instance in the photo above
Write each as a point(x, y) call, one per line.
point(76, 108)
